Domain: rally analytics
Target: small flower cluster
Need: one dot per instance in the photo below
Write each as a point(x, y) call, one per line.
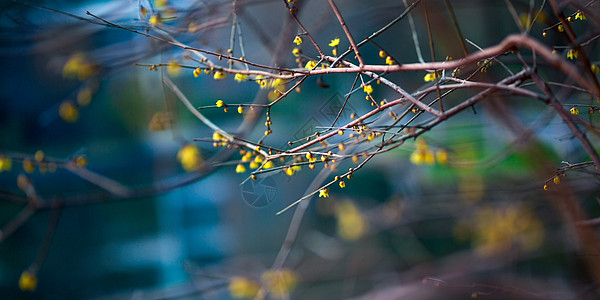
point(278, 283)
point(495, 230)
point(555, 180)
point(80, 67)
point(423, 155)
point(561, 28)
point(572, 54)
point(388, 59)
point(431, 76)
point(485, 64)
point(46, 165)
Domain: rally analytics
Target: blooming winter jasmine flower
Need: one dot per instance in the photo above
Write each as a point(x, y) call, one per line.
point(240, 77)
point(334, 42)
point(324, 192)
point(240, 168)
point(572, 54)
point(155, 19)
point(311, 64)
point(243, 288)
point(5, 163)
point(268, 165)
point(190, 158)
point(431, 76)
point(280, 283)
point(27, 281)
point(219, 75)
point(298, 40)
point(574, 111)
point(197, 72)
point(389, 60)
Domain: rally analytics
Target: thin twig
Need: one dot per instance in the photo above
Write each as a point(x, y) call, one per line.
point(337, 13)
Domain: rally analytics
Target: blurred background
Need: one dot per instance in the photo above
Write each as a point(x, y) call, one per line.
point(136, 224)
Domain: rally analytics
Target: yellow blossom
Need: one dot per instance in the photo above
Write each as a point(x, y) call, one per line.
point(311, 64)
point(173, 68)
point(160, 4)
point(28, 166)
point(441, 156)
point(261, 81)
point(431, 76)
point(580, 16)
point(77, 66)
point(81, 161)
point(240, 109)
point(280, 283)
point(39, 156)
point(546, 187)
point(289, 171)
point(368, 89)
point(389, 60)
point(334, 42)
point(155, 20)
point(253, 165)
point(572, 54)
point(192, 27)
point(298, 40)
point(219, 75)
point(351, 224)
point(422, 155)
point(276, 83)
point(268, 165)
point(342, 184)
point(296, 52)
point(556, 180)
point(68, 111)
point(561, 28)
point(247, 157)
point(324, 192)
point(220, 103)
point(240, 77)
point(243, 288)
point(240, 168)
point(382, 54)
point(5, 163)
point(189, 157)
point(595, 69)
point(197, 72)
point(27, 281)
point(498, 229)
point(574, 110)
